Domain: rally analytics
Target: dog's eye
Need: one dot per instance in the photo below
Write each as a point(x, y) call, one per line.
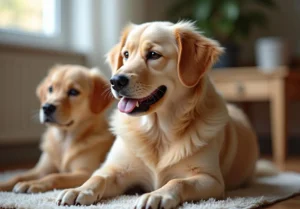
point(73, 92)
point(50, 89)
point(153, 55)
point(126, 54)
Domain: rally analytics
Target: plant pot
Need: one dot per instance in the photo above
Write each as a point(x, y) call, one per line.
point(271, 52)
point(230, 57)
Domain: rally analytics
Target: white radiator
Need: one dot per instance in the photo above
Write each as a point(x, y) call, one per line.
point(21, 70)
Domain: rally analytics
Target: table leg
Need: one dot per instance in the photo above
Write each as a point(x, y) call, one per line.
point(279, 121)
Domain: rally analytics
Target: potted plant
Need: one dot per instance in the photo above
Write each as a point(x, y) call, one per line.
point(228, 21)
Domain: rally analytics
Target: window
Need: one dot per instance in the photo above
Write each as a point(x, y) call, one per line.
point(35, 23)
point(37, 17)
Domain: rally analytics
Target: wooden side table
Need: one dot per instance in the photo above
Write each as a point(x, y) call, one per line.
point(250, 84)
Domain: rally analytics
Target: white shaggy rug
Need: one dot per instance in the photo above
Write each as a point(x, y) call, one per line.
point(264, 191)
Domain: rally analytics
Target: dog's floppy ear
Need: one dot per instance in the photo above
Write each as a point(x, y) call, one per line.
point(196, 53)
point(114, 57)
point(99, 98)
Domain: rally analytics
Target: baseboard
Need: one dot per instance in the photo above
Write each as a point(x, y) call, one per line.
point(18, 154)
point(30, 152)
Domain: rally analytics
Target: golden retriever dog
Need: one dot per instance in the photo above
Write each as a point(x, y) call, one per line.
point(176, 137)
point(77, 137)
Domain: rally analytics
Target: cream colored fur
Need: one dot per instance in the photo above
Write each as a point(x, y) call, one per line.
point(70, 153)
point(189, 145)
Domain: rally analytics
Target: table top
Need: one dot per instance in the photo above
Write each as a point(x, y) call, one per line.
point(252, 73)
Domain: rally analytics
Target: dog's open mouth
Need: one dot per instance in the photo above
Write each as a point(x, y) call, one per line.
point(133, 105)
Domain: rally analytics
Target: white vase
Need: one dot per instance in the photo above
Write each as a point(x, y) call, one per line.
point(271, 52)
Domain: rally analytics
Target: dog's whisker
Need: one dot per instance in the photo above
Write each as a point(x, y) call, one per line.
point(107, 93)
point(107, 86)
point(35, 113)
point(35, 117)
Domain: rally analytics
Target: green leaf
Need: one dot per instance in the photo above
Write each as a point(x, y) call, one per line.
point(203, 9)
point(230, 10)
point(224, 27)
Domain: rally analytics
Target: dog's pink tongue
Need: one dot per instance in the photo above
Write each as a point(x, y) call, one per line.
point(126, 105)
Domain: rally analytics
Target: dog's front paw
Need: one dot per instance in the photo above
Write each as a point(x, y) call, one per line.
point(77, 196)
point(29, 187)
point(157, 200)
point(87, 194)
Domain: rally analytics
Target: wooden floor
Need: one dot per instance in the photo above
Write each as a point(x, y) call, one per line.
point(293, 164)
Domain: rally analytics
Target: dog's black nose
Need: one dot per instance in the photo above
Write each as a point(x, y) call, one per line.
point(48, 109)
point(118, 82)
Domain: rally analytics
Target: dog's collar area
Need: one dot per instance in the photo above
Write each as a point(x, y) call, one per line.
point(133, 105)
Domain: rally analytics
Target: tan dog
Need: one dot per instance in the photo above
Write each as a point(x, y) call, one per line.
point(176, 138)
point(77, 138)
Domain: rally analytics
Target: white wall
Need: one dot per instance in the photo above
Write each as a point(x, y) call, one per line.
point(96, 26)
